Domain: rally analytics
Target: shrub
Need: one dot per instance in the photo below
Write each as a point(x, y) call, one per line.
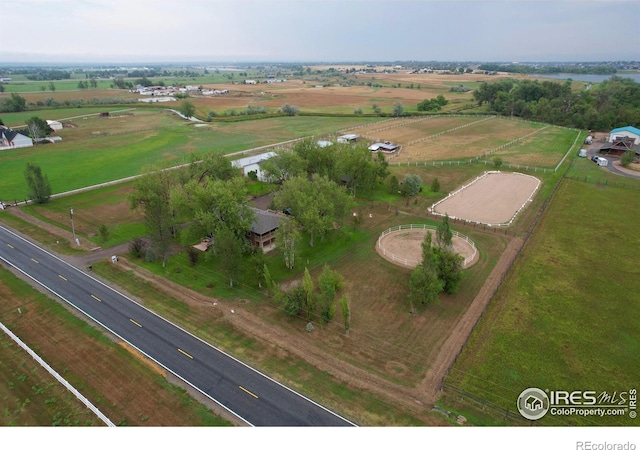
point(628, 158)
point(193, 256)
point(435, 185)
point(103, 231)
point(137, 247)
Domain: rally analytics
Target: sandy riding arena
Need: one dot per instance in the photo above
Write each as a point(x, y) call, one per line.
point(403, 245)
point(494, 198)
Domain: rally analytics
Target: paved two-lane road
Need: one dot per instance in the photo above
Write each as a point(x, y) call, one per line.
point(248, 394)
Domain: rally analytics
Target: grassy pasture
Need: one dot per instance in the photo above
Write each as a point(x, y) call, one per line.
point(17, 120)
point(544, 149)
point(465, 143)
point(403, 131)
point(98, 150)
point(559, 321)
point(32, 397)
point(106, 206)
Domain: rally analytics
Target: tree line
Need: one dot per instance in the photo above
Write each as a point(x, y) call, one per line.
point(612, 103)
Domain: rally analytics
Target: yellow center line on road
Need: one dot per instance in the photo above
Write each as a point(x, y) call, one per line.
point(35, 261)
point(185, 353)
point(63, 278)
point(95, 298)
point(136, 323)
point(248, 392)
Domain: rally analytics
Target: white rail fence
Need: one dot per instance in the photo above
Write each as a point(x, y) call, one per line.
point(408, 262)
point(57, 376)
point(432, 208)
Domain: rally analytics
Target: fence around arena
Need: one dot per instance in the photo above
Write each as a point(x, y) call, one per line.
point(411, 262)
point(432, 208)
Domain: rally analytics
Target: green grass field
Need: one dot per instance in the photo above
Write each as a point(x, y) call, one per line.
point(101, 150)
point(562, 320)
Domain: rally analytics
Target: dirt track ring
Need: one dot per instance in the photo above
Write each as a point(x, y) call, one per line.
point(402, 245)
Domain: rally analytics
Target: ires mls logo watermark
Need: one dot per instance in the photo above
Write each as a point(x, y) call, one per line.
point(534, 403)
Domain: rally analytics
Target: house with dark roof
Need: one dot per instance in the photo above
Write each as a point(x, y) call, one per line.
point(10, 139)
point(263, 229)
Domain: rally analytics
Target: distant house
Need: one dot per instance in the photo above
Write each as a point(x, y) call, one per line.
point(263, 229)
point(250, 82)
point(10, 139)
point(348, 138)
point(252, 164)
point(625, 132)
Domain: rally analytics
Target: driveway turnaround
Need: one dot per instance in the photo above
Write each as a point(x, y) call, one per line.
point(248, 394)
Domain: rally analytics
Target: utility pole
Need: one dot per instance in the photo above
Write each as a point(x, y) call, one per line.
point(73, 229)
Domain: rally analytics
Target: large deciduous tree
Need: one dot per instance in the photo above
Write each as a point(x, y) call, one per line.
point(152, 194)
point(213, 206)
point(315, 204)
point(424, 284)
point(37, 183)
point(38, 128)
point(411, 185)
point(187, 109)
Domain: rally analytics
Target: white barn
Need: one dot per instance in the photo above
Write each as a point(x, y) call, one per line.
point(625, 132)
point(252, 164)
point(54, 125)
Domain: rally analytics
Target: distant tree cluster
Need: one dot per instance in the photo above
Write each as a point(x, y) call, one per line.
point(549, 69)
point(435, 104)
point(47, 75)
point(614, 102)
point(14, 103)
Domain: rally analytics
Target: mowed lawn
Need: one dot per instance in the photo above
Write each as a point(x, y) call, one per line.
point(566, 319)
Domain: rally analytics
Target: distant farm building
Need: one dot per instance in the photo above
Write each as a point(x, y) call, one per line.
point(54, 125)
point(625, 132)
point(348, 138)
point(323, 144)
point(10, 139)
point(385, 147)
point(252, 164)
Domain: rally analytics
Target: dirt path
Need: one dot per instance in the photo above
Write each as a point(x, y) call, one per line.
point(419, 399)
point(431, 384)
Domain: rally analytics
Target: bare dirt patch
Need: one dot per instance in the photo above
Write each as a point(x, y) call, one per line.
point(494, 198)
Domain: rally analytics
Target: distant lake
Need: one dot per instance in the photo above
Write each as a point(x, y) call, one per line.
point(590, 78)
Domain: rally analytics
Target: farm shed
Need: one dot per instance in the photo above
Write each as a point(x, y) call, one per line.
point(627, 132)
point(54, 125)
point(263, 229)
point(385, 147)
point(10, 139)
point(348, 138)
point(323, 144)
point(252, 164)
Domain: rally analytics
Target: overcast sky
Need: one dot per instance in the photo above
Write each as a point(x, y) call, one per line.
point(318, 30)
